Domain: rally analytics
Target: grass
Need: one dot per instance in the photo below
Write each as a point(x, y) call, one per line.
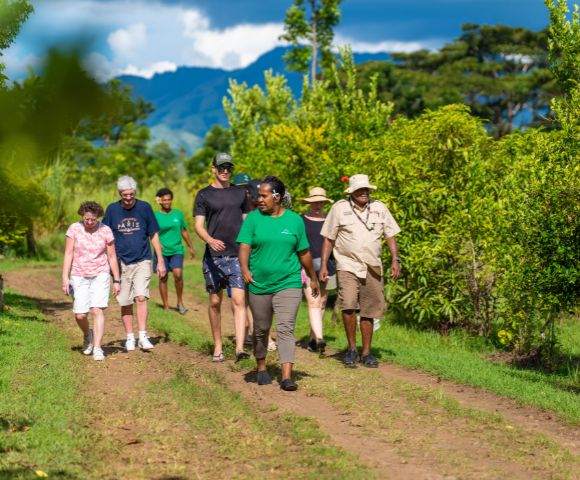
point(466, 360)
point(240, 439)
point(41, 409)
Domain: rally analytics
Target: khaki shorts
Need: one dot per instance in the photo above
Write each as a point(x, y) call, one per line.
point(134, 282)
point(363, 294)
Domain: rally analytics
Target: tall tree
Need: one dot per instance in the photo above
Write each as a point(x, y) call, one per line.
point(500, 72)
point(315, 30)
point(13, 13)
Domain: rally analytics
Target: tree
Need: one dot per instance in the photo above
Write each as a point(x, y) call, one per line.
point(500, 72)
point(13, 13)
point(218, 139)
point(317, 31)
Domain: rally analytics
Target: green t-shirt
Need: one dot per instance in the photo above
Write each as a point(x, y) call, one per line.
point(275, 241)
point(170, 226)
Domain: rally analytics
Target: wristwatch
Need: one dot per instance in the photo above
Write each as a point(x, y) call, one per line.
point(117, 281)
point(398, 259)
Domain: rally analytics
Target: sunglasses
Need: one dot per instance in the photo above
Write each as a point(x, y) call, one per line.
point(223, 168)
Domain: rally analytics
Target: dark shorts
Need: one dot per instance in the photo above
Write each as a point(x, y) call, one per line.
point(222, 272)
point(171, 262)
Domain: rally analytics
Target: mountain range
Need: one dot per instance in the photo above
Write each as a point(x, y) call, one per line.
point(188, 101)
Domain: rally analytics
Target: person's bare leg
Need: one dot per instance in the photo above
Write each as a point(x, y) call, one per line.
point(239, 309)
point(287, 371)
point(83, 322)
point(178, 278)
point(98, 326)
point(349, 320)
point(215, 320)
point(142, 313)
point(261, 364)
point(366, 331)
point(163, 291)
point(127, 317)
point(314, 314)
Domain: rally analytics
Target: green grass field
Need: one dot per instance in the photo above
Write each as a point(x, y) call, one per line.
point(41, 405)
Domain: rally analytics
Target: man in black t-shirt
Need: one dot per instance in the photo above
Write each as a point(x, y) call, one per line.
point(219, 211)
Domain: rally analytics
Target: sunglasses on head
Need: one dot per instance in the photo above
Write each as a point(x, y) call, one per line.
point(223, 168)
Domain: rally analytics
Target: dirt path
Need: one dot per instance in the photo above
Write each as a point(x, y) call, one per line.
point(398, 422)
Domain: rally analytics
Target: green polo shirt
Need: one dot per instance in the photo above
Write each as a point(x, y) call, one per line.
point(170, 226)
point(275, 242)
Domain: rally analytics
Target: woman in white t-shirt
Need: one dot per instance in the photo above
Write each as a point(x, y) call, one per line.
point(89, 258)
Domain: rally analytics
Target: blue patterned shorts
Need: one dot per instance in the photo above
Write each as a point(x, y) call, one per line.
point(222, 272)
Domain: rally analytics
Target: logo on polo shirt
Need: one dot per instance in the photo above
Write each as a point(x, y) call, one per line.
point(286, 232)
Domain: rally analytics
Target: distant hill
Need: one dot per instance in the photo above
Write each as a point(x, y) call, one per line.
point(189, 101)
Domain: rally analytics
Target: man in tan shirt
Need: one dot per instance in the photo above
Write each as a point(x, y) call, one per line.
point(353, 231)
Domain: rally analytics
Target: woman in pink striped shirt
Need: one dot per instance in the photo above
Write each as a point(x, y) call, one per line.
point(89, 259)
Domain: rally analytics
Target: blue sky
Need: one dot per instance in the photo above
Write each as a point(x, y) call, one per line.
point(144, 37)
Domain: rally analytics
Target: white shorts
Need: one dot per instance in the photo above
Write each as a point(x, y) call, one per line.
point(90, 292)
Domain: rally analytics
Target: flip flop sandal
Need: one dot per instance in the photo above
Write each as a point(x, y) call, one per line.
point(181, 309)
point(218, 358)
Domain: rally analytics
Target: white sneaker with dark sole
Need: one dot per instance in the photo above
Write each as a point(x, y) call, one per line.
point(88, 344)
point(130, 344)
point(145, 344)
point(98, 354)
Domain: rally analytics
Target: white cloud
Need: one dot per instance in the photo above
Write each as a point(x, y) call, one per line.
point(233, 47)
point(143, 37)
point(387, 45)
point(125, 42)
point(148, 72)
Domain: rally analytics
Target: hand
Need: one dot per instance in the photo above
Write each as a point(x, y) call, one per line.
point(161, 270)
point(116, 288)
point(395, 269)
point(247, 276)
point(65, 286)
point(191, 253)
point(216, 245)
point(314, 288)
point(323, 274)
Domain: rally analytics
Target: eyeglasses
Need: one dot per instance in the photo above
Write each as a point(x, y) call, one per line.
point(223, 168)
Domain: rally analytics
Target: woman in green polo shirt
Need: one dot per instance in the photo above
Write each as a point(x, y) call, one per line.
point(273, 249)
point(172, 228)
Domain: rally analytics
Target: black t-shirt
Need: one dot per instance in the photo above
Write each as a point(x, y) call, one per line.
point(223, 209)
point(313, 229)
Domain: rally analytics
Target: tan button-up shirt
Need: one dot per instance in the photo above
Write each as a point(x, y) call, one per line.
point(357, 247)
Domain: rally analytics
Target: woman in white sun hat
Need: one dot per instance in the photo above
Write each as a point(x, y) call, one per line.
point(313, 221)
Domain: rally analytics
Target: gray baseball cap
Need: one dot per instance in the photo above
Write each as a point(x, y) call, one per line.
point(222, 158)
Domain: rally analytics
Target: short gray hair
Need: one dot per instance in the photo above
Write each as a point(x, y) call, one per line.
point(126, 183)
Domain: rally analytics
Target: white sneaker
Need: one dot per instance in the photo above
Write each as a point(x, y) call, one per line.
point(130, 344)
point(272, 346)
point(145, 344)
point(88, 344)
point(98, 354)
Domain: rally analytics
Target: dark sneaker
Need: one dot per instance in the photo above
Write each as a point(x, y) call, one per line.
point(242, 356)
point(321, 346)
point(288, 385)
point(264, 378)
point(312, 345)
point(369, 361)
point(350, 358)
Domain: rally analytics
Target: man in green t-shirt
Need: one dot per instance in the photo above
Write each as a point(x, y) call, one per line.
point(172, 229)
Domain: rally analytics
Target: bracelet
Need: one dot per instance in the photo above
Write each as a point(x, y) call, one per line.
point(117, 281)
point(398, 259)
